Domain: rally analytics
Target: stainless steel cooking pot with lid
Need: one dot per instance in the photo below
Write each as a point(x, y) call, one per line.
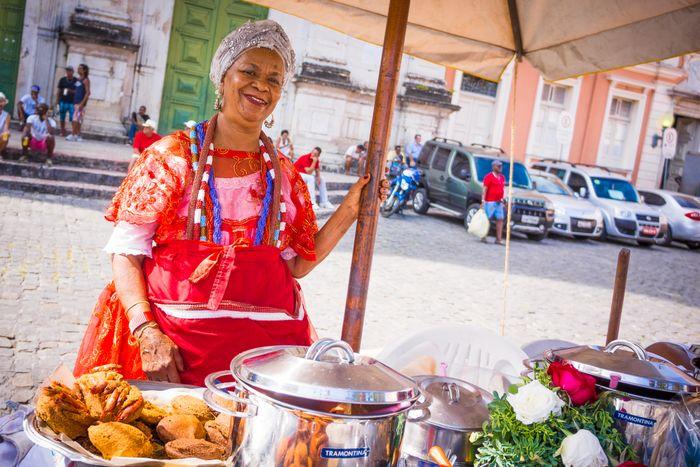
point(321, 405)
point(457, 409)
point(657, 405)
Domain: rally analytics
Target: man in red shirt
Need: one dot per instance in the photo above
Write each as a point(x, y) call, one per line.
point(309, 167)
point(492, 197)
point(143, 139)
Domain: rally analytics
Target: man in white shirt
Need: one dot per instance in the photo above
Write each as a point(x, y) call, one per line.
point(354, 152)
point(38, 134)
point(413, 151)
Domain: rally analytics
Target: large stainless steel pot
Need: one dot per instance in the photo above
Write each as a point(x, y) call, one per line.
point(322, 405)
point(656, 405)
point(457, 409)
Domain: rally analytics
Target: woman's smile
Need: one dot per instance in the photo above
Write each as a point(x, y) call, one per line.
point(255, 100)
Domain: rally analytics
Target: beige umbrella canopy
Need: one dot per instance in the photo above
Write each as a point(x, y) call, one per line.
point(561, 38)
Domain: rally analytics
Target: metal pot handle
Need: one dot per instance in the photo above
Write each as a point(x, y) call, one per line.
point(218, 388)
point(423, 407)
point(323, 346)
point(639, 352)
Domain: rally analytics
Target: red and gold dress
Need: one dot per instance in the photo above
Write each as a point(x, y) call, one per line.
point(214, 297)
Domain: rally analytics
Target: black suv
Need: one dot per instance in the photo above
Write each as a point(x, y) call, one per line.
point(451, 180)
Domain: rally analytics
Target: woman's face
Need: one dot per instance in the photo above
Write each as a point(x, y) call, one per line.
point(252, 87)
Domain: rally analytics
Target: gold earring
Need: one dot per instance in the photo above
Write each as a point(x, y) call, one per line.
point(271, 122)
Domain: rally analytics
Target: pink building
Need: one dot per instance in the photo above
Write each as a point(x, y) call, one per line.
point(613, 117)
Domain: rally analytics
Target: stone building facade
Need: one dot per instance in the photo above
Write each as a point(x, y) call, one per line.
point(157, 54)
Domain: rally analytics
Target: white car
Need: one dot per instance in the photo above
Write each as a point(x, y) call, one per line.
point(573, 216)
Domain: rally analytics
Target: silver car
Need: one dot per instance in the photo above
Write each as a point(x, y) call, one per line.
point(624, 215)
point(573, 216)
point(682, 212)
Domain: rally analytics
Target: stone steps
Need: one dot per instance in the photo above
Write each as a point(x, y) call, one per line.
point(93, 177)
point(61, 173)
point(57, 187)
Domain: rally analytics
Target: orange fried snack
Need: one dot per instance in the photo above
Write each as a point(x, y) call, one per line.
point(108, 397)
point(180, 426)
point(192, 406)
point(63, 410)
point(119, 439)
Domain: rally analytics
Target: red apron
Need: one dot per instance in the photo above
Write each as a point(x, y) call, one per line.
point(216, 301)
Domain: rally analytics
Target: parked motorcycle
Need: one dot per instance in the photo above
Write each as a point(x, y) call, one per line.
point(402, 187)
point(396, 167)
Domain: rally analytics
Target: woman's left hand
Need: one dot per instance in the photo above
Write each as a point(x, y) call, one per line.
point(352, 199)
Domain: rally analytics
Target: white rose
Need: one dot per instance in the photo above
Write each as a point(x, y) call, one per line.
point(582, 450)
point(534, 402)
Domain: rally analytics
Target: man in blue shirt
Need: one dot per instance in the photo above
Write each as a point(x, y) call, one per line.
point(413, 151)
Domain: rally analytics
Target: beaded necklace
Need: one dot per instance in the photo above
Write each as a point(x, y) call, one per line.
point(207, 187)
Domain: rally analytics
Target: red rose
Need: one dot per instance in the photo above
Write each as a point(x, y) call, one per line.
point(631, 464)
point(579, 386)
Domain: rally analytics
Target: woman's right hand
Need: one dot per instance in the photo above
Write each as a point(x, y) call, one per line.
point(160, 357)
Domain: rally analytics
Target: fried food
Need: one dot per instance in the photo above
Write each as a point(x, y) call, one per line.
point(180, 426)
point(193, 406)
point(145, 429)
point(119, 439)
point(218, 434)
point(63, 410)
point(184, 448)
point(151, 413)
point(108, 397)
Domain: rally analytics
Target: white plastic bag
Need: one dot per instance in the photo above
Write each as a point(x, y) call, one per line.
point(479, 226)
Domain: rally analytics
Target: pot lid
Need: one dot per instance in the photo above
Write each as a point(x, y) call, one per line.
point(634, 371)
point(455, 404)
point(327, 371)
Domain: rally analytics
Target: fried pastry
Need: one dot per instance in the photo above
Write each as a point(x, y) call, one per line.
point(63, 410)
point(151, 413)
point(193, 406)
point(119, 439)
point(180, 426)
point(184, 448)
point(108, 397)
point(217, 434)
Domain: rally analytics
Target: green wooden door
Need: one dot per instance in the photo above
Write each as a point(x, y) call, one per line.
point(198, 27)
point(11, 22)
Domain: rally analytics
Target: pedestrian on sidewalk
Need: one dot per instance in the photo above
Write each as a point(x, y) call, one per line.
point(284, 145)
point(492, 198)
point(143, 139)
point(309, 167)
point(80, 99)
point(137, 121)
point(28, 103)
point(413, 150)
point(353, 154)
point(65, 97)
point(4, 125)
point(38, 134)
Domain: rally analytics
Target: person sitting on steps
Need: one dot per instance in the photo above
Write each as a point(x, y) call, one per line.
point(38, 134)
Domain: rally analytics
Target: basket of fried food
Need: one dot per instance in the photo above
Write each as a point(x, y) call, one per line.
point(105, 420)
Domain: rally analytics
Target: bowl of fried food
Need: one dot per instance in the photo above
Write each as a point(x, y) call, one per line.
point(103, 419)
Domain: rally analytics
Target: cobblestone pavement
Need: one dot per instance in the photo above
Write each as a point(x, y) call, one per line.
point(426, 271)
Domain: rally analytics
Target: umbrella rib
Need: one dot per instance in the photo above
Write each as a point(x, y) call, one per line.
point(515, 26)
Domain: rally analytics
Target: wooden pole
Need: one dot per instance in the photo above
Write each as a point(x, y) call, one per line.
point(388, 80)
point(618, 298)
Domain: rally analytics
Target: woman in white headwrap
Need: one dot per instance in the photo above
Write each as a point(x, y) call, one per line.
point(233, 228)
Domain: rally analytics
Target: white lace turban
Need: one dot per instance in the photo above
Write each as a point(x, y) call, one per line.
point(265, 34)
